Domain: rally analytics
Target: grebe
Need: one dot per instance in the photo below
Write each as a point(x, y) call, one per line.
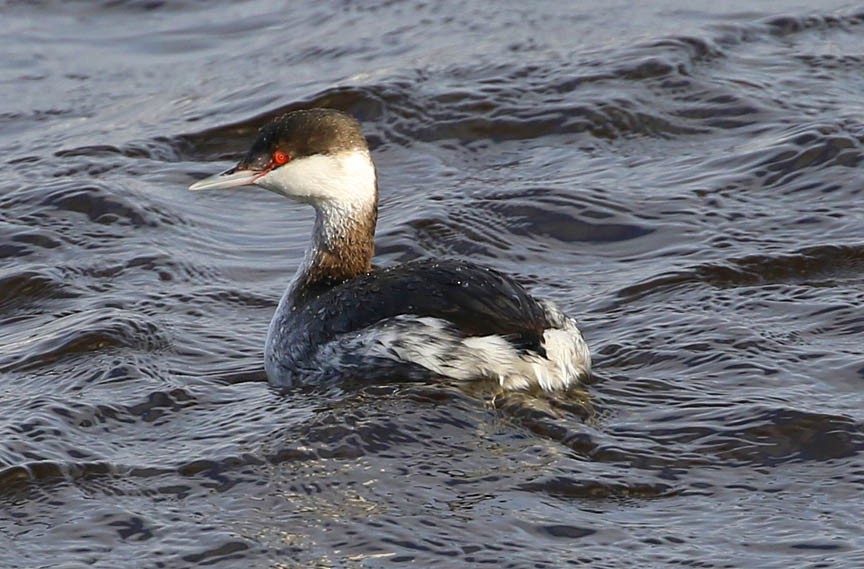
point(342, 319)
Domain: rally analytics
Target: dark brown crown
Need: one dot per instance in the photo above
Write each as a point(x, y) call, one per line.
point(304, 133)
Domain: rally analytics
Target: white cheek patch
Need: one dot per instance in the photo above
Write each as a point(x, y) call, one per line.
point(345, 177)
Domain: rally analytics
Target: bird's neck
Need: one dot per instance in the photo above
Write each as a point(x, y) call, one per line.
point(343, 243)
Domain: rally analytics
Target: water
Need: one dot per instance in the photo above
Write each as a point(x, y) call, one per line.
point(684, 177)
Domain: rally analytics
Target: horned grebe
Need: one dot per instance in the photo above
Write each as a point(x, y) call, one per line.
point(340, 318)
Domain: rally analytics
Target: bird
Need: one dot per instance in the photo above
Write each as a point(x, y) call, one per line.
point(342, 319)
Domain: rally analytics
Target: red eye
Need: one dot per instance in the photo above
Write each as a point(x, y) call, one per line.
point(280, 157)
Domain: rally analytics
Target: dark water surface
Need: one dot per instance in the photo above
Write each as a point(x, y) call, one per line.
point(684, 177)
